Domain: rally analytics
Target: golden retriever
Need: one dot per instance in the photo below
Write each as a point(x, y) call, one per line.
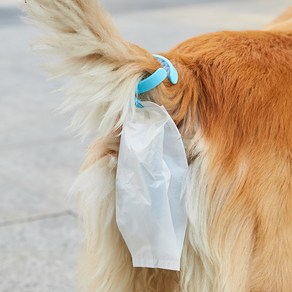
point(233, 107)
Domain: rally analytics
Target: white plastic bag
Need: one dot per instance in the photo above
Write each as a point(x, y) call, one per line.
point(152, 168)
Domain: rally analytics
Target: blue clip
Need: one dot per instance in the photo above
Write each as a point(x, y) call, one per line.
point(152, 81)
point(138, 103)
point(157, 78)
point(169, 68)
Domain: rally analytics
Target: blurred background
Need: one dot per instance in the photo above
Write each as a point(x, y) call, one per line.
point(39, 233)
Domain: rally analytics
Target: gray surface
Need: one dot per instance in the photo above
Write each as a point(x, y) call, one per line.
point(38, 255)
point(39, 238)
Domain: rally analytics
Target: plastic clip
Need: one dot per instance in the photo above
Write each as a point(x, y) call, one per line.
point(156, 78)
point(169, 68)
point(138, 103)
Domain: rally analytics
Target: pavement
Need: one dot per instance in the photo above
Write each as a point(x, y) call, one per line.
point(39, 234)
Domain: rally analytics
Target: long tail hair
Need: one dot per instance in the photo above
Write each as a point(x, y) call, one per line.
point(104, 67)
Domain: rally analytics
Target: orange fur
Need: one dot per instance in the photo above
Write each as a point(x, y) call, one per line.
point(239, 87)
point(244, 107)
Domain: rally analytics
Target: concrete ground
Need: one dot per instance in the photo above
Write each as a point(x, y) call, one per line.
point(39, 235)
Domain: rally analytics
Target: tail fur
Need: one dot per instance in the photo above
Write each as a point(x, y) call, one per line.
point(105, 68)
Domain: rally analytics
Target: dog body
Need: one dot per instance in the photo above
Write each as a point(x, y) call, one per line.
point(232, 106)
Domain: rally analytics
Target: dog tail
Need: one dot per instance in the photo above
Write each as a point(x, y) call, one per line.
point(104, 67)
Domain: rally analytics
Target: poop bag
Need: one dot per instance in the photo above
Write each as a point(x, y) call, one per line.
point(151, 173)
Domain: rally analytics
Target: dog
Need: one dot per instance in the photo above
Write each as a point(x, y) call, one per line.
point(233, 108)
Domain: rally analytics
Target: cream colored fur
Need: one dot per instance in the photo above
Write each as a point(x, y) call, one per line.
point(104, 68)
